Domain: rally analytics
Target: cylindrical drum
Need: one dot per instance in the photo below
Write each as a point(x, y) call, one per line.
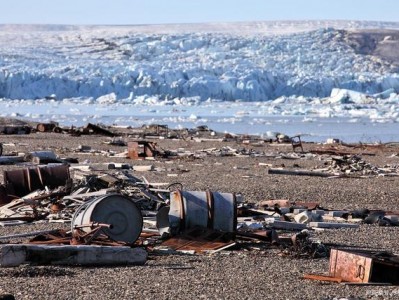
point(116, 210)
point(45, 127)
point(212, 210)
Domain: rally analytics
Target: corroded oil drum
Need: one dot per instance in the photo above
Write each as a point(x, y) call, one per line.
point(119, 211)
point(45, 127)
point(212, 210)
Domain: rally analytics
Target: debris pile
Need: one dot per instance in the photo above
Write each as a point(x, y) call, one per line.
point(352, 164)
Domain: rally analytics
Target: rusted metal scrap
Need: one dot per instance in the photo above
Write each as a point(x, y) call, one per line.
point(280, 203)
point(21, 182)
point(362, 267)
point(149, 149)
point(200, 240)
point(205, 209)
point(46, 127)
point(199, 220)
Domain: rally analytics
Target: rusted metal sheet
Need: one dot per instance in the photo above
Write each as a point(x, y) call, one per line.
point(273, 203)
point(322, 278)
point(364, 266)
point(350, 267)
point(199, 240)
point(21, 182)
point(133, 150)
point(288, 203)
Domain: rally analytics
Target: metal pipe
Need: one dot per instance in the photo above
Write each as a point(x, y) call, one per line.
point(94, 224)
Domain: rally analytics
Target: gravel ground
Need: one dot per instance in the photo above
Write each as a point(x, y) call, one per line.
point(234, 274)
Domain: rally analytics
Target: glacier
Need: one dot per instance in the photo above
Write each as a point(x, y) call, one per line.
point(311, 71)
point(92, 63)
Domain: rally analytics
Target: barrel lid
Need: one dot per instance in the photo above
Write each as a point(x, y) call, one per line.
point(119, 211)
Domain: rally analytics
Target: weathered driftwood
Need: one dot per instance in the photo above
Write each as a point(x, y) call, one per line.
point(12, 255)
point(300, 173)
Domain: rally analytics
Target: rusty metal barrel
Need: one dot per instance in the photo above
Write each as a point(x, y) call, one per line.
point(206, 209)
point(45, 127)
point(120, 212)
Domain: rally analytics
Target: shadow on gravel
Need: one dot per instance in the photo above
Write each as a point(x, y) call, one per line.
point(36, 272)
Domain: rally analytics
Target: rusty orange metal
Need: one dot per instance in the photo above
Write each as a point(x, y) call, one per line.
point(134, 151)
point(200, 240)
point(21, 182)
point(351, 267)
point(273, 203)
point(364, 266)
point(322, 278)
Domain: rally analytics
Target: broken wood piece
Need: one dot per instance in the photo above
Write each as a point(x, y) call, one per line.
point(12, 255)
point(143, 168)
point(300, 173)
point(94, 167)
point(287, 225)
point(332, 225)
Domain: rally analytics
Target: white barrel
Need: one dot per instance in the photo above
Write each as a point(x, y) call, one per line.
point(212, 210)
point(116, 210)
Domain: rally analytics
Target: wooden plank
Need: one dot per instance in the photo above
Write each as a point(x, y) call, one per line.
point(332, 225)
point(300, 173)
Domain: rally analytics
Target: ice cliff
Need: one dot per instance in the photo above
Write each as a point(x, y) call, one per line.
point(113, 64)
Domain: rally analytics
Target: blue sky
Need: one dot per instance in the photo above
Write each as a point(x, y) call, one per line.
point(191, 11)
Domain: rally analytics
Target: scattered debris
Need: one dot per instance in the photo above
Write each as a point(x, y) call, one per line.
point(113, 214)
